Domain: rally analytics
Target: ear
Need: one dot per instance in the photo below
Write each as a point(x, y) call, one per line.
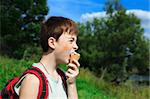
point(51, 42)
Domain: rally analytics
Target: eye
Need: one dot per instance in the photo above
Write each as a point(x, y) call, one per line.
point(71, 40)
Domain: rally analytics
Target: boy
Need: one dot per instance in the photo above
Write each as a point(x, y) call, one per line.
point(58, 41)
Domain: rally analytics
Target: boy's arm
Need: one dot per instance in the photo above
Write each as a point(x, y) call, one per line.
point(29, 87)
point(72, 91)
point(72, 73)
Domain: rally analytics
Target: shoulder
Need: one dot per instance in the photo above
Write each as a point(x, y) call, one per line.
point(31, 78)
point(29, 86)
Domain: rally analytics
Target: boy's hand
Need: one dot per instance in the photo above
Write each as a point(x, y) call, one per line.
point(73, 71)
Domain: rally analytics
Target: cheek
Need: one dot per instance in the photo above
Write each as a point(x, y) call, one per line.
point(65, 48)
point(64, 53)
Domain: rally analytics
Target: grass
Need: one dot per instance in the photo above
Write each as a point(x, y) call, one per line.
point(88, 85)
point(128, 91)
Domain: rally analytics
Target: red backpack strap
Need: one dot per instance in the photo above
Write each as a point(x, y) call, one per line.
point(64, 79)
point(8, 92)
point(43, 87)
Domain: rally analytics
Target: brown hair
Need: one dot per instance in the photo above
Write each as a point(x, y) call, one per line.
point(54, 27)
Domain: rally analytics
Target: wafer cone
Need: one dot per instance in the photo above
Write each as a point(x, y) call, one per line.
point(75, 56)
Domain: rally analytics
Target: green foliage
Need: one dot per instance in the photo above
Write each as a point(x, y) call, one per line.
point(20, 24)
point(33, 53)
point(114, 46)
point(11, 68)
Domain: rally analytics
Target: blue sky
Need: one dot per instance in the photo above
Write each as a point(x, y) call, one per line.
point(81, 10)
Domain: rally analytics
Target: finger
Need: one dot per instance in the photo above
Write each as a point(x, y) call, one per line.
point(76, 62)
point(68, 75)
point(71, 71)
point(72, 66)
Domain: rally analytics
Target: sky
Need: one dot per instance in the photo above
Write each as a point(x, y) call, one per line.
point(83, 10)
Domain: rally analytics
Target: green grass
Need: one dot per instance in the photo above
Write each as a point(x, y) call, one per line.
point(88, 91)
point(88, 85)
point(110, 91)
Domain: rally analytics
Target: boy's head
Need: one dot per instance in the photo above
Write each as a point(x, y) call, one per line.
point(54, 27)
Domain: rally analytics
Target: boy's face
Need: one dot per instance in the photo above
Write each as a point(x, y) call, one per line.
point(65, 45)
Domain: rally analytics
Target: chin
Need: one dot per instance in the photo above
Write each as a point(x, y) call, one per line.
point(64, 62)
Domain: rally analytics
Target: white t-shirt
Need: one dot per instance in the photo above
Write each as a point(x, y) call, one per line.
point(56, 88)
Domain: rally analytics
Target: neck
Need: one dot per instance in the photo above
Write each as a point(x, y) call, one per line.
point(49, 63)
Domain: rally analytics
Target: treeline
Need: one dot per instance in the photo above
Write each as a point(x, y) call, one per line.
point(113, 47)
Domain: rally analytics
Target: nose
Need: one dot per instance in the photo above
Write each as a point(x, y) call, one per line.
point(75, 46)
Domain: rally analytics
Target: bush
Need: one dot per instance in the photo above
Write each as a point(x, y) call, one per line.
point(33, 53)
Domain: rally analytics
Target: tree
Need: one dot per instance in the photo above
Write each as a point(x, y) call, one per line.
point(117, 43)
point(20, 22)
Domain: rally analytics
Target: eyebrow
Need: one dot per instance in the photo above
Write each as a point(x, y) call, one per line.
point(72, 38)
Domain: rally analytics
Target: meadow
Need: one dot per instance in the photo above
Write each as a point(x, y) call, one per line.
point(89, 86)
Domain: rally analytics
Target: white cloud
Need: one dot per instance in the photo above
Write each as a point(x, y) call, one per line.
point(143, 15)
point(91, 16)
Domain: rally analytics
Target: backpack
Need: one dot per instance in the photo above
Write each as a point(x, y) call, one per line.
point(8, 92)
